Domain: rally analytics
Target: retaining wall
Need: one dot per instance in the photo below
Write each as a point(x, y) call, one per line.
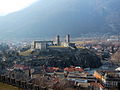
point(20, 84)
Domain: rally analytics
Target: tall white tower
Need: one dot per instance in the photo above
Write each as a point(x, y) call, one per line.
point(67, 39)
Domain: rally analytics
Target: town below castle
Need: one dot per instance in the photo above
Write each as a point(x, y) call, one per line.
point(61, 64)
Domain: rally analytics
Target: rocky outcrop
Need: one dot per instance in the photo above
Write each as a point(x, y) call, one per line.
point(83, 58)
point(115, 58)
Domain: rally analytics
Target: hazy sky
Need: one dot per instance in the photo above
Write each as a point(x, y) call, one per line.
point(10, 6)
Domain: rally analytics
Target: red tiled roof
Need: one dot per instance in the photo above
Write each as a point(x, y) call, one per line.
point(53, 68)
point(19, 66)
point(96, 84)
point(71, 69)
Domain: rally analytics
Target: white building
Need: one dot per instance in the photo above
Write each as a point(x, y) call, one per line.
point(42, 45)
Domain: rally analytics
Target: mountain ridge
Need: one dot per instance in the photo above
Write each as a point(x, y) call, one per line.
point(48, 18)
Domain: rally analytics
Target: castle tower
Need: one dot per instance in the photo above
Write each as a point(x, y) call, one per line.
point(67, 39)
point(58, 40)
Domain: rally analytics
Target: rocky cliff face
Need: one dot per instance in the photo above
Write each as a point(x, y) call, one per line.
point(82, 58)
point(115, 58)
point(86, 58)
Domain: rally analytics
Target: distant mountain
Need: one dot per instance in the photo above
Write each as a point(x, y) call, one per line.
point(47, 18)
